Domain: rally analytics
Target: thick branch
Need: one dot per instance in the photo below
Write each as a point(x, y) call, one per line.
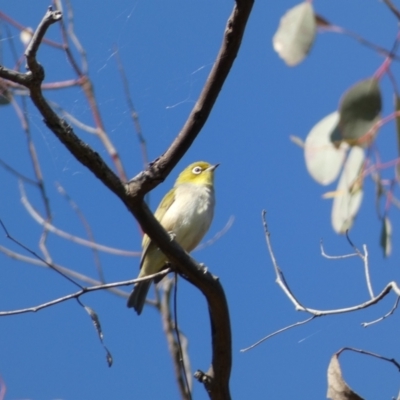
point(160, 169)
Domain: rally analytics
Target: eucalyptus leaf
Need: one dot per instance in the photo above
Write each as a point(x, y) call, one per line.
point(295, 34)
point(359, 110)
point(386, 237)
point(323, 159)
point(349, 193)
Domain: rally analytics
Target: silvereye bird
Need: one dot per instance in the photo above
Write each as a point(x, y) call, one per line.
point(186, 213)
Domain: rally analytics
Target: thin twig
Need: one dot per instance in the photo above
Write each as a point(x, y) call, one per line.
point(366, 324)
point(178, 338)
point(84, 242)
point(278, 332)
point(340, 257)
point(88, 230)
point(218, 235)
point(284, 286)
point(67, 271)
point(364, 258)
point(368, 353)
point(132, 110)
point(392, 8)
point(34, 254)
point(81, 292)
point(365, 42)
point(87, 88)
point(13, 171)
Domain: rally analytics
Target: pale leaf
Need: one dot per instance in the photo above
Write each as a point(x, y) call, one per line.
point(349, 194)
point(323, 159)
point(295, 34)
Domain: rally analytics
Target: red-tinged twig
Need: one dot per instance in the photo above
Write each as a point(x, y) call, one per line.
point(392, 8)
point(338, 29)
point(74, 121)
point(74, 38)
point(3, 388)
point(87, 87)
point(21, 28)
point(41, 183)
point(134, 115)
point(88, 229)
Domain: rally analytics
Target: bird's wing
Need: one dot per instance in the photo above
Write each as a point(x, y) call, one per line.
point(165, 204)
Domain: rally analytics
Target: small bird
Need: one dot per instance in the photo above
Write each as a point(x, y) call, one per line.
point(186, 213)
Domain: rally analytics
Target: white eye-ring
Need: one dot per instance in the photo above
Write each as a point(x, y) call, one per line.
point(197, 170)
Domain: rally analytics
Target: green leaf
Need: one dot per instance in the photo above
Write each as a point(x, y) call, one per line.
point(295, 34)
point(349, 192)
point(323, 159)
point(386, 237)
point(359, 110)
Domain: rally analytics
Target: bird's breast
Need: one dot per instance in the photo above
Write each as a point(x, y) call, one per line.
point(190, 215)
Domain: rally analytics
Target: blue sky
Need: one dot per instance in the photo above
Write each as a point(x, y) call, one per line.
point(167, 49)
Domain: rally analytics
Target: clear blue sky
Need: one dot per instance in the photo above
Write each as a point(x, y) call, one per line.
point(167, 49)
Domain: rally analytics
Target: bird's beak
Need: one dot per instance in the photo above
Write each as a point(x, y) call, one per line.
point(212, 168)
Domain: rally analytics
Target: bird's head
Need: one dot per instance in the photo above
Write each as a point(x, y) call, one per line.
point(198, 173)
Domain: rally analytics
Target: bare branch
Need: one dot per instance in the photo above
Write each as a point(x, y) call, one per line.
point(340, 257)
point(392, 8)
point(132, 110)
point(286, 328)
point(88, 230)
point(65, 270)
point(364, 258)
point(68, 236)
point(368, 353)
point(170, 328)
point(366, 324)
point(79, 293)
point(280, 279)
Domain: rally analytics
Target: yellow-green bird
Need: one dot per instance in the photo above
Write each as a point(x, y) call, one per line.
point(186, 212)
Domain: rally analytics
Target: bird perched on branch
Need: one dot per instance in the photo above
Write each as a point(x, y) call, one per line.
point(186, 213)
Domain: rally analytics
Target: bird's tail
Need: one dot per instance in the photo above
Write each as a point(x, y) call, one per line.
point(138, 296)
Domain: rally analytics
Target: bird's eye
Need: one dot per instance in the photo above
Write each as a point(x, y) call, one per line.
point(197, 170)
